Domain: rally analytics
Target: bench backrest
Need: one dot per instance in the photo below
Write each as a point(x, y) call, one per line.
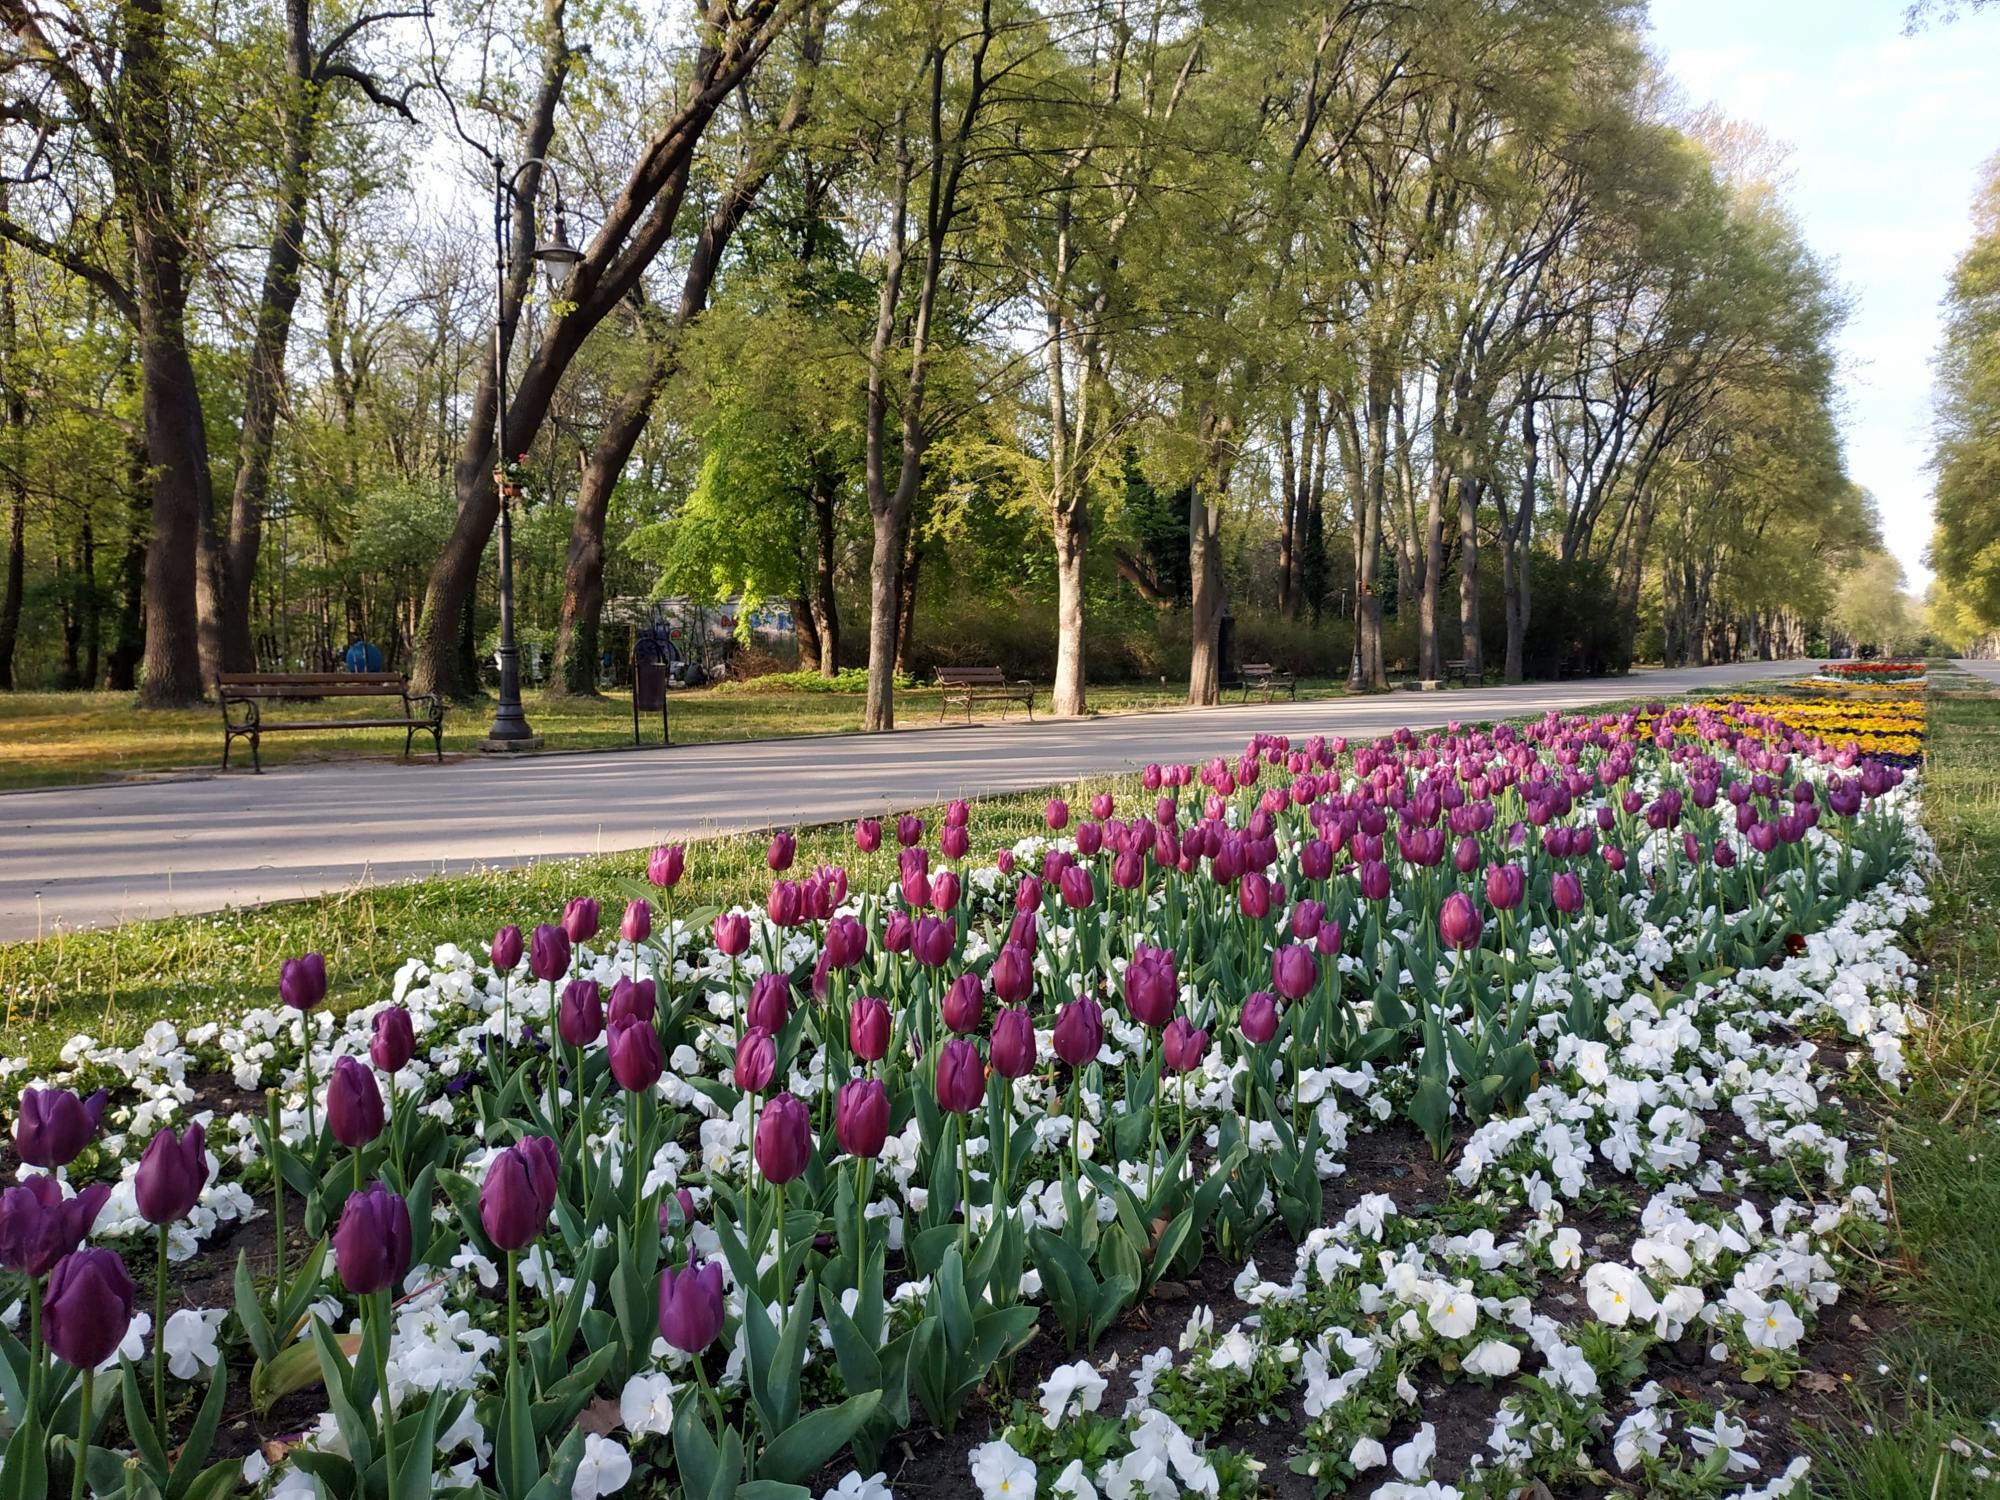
point(1257, 669)
point(971, 677)
point(312, 684)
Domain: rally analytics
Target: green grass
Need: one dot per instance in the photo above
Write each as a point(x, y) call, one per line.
point(1940, 1364)
point(61, 739)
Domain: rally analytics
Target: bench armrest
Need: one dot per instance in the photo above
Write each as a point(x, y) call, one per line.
point(435, 700)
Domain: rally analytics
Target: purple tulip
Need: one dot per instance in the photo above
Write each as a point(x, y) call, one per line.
point(868, 1028)
point(636, 1059)
point(779, 856)
point(354, 1110)
point(961, 1077)
point(1151, 986)
point(515, 1199)
point(580, 919)
point(580, 1019)
point(964, 1004)
point(1078, 889)
point(548, 952)
point(371, 1248)
point(302, 981)
point(909, 830)
point(1056, 815)
point(756, 1061)
point(861, 1117)
point(1253, 896)
point(665, 866)
point(1505, 885)
point(632, 1000)
point(1568, 893)
point(1079, 1031)
point(171, 1175)
point(955, 842)
point(88, 1307)
point(1375, 880)
point(868, 835)
point(732, 933)
point(54, 1126)
point(38, 1226)
point(785, 905)
point(1260, 1018)
point(691, 1305)
point(846, 942)
point(945, 889)
point(1294, 971)
point(1182, 1044)
point(1012, 1045)
point(784, 1139)
point(507, 947)
point(933, 941)
point(1458, 922)
point(770, 1003)
point(1012, 975)
point(638, 923)
point(393, 1040)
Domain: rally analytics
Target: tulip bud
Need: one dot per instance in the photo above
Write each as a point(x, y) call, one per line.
point(691, 1305)
point(506, 949)
point(171, 1175)
point(955, 842)
point(1458, 922)
point(934, 939)
point(1294, 971)
point(638, 923)
point(580, 919)
point(1013, 1043)
point(945, 889)
point(38, 1226)
point(302, 981)
point(631, 1000)
point(779, 856)
point(371, 1248)
point(868, 835)
point(1505, 885)
point(54, 1126)
point(354, 1110)
point(665, 866)
point(1078, 889)
point(1260, 1018)
point(1079, 1031)
point(1151, 986)
point(393, 1041)
point(846, 942)
point(961, 1077)
point(548, 952)
point(580, 1018)
point(964, 1004)
point(88, 1307)
point(756, 1061)
point(909, 830)
point(785, 906)
point(515, 1199)
point(1182, 1044)
point(861, 1117)
point(868, 1028)
point(636, 1060)
point(1012, 974)
point(1568, 893)
point(784, 1139)
point(770, 1003)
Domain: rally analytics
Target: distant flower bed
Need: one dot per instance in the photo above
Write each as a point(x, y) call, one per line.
point(1844, 728)
point(1873, 671)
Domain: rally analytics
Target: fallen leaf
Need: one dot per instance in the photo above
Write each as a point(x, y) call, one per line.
point(1818, 1380)
point(601, 1417)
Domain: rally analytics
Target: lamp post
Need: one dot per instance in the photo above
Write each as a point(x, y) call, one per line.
point(510, 731)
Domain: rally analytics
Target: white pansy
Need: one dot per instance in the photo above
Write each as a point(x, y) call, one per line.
point(603, 1469)
point(1002, 1474)
point(1493, 1358)
point(1077, 1385)
point(853, 1486)
point(1412, 1460)
point(189, 1342)
point(646, 1405)
point(1453, 1312)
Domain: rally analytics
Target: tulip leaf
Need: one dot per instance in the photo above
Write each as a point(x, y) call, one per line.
point(340, 1377)
point(948, 1296)
point(294, 1369)
point(250, 1313)
point(695, 1453)
point(216, 1481)
point(783, 1379)
point(515, 1463)
point(771, 1489)
point(335, 1474)
point(760, 1342)
point(860, 1366)
point(139, 1423)
point(24, 1470)
point(807, 1443)
point(560, 1481)
point(418, 1448)
point(201, 1436)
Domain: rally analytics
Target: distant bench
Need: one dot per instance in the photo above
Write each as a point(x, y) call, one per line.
point(248, 692)
point(1261, 674)
point(967, 684)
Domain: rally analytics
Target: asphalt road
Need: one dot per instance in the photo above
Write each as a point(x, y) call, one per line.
point(91, 856)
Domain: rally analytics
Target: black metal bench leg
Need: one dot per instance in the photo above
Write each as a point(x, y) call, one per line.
point(437, 736)
point(256, 755)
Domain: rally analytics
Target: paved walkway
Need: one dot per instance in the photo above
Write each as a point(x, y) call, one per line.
point(92, 856)
point(1988, 670)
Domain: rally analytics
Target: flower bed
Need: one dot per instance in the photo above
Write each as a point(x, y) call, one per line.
point(1429, 1117)
point(1873, 673)
point(1844, 727)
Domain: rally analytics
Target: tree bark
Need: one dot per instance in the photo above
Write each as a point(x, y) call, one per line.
point(16, 417)
point(906, 602)
point(1469, 643)
point(1206, 498)
point(823, 605)
point(121, 670)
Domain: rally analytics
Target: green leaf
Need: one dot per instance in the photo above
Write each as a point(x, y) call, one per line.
point(24, 1470)
point(515, 1463)
point(293, 1370)
point(139, 1423)
point(250, 1312)
point(813, 1439)
point(695, 1453)
point(201, 1436)
point(339, 1376)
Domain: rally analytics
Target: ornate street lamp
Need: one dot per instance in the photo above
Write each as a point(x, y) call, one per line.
point(510, 731)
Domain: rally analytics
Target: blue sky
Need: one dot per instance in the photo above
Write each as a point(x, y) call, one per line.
point(1886, 134)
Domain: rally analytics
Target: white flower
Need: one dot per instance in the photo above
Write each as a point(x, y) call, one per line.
point(1592, 1063)
point(1453, 1312)
point(1367, 1454)
point(189, 1342)
point(646, 1405)
point(1074, 1483)
point(1616, 1294)
point(1079, 1383)
point(1775, 1326)
point(854, 1487)
point(1566, 1249)
point(1234, 1352)
point(1001, 1473)
point(1413, 1459)
point(603, 1469)
point(1494, 1358)
point(1726, 1435)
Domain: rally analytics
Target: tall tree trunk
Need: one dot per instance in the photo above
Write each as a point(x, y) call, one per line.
point(17, 557)
point(1369, 668)
point(804, 631)
point(89, 605)
point(1515, 544)
point(1469, 644)
point(16, 418)
point(1429, 667)
point(128, 647)
point(906, 603)
point(823, 604)
point(1206, 498)
point(1072, 533)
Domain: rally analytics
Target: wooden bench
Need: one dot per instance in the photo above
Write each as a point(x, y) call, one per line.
point(1261, 674)
point(248, 692)
point(965, 684)
point(1455, 671)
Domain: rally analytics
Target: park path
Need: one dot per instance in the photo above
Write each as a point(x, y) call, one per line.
point(1988, 671)
point(92, 856)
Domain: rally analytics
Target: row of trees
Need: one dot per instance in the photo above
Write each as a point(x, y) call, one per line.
point(1965, 547)
point(1364, 311)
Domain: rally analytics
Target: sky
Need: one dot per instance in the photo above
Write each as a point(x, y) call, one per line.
point(1887, 134)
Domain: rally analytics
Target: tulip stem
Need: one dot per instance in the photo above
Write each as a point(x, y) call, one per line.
point(277, 1199)
point(82, 1435)
point(34, 1343)
point(306, 1066)
point(160, 1333)
point(708, 1392)
point(1076, 1122)
point(380, 1304)
point(513, 1303)
point(784, 1281)
point(965, 1180)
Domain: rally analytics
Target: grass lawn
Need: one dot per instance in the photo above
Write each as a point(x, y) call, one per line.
point(56, 739)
